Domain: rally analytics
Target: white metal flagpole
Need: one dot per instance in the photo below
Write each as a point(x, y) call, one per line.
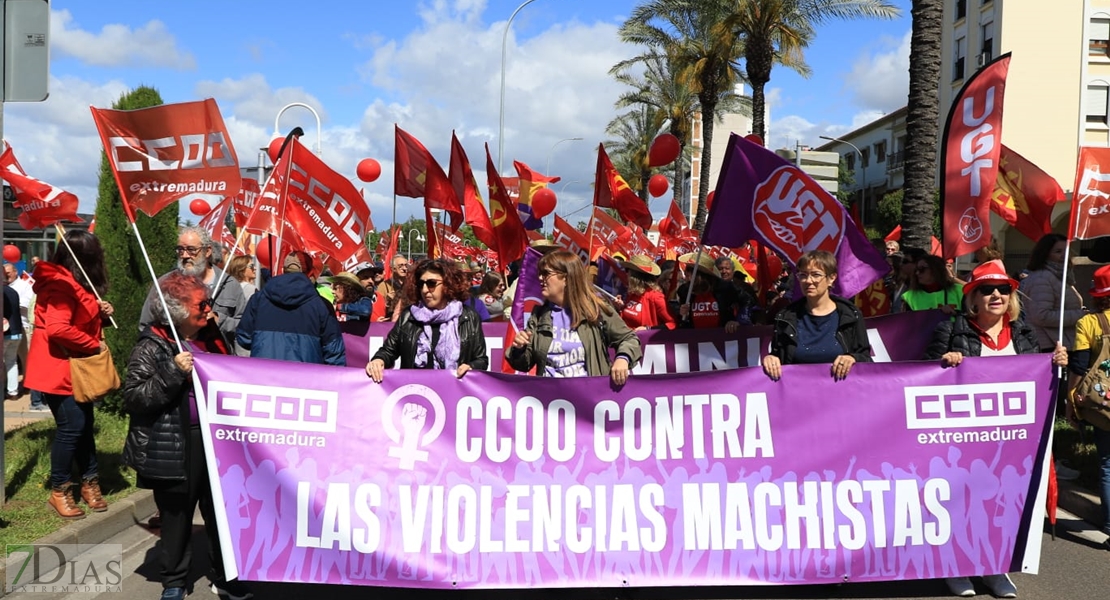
point(154, 278)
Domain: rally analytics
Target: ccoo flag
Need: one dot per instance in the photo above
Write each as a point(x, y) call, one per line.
point(763, 197)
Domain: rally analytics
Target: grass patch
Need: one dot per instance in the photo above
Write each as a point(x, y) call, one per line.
point(1076, 447)
point(26, 517)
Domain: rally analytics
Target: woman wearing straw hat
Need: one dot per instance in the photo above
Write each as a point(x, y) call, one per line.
point(352, 301)
point(1088, 334)
point(68, 320)
point(988, 326)
point(820, 328)
point(645, 307)
point(571, 334)
point(713, 303)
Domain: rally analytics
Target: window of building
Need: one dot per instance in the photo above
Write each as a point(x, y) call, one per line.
point(986, 33)
point(865, 157)
point(1098, 43)
point(958, 56)
point(880, 152)
point(1097, 97)
point(961, 9)
point(850, 161)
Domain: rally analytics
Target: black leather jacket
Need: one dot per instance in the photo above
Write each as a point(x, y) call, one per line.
point(851, 332)
point(401, 342)
point(959, 336)
point(155, 395)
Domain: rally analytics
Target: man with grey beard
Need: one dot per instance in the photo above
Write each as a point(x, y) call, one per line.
point(194, 257)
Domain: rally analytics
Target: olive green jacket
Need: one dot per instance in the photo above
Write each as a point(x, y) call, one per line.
point(610, 332)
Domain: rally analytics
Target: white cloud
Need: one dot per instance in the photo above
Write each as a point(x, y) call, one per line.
point(151, 45)
point(881, 80)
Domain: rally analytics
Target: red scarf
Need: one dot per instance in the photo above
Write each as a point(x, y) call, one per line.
point(1003, 336)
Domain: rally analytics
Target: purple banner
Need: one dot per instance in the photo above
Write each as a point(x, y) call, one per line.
point(898, 337)
point(506, 481)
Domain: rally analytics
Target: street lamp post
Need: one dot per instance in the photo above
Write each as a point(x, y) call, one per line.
point(277, 131)
point(551, 152)
point(501, 125)
point(419, 238)
point(862, 172)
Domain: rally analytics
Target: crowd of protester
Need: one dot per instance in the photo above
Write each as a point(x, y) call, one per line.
point(436, 308)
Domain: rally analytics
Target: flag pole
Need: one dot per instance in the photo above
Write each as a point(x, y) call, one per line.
point(62, 234)
point(154, 276)
point(1064, 272)
point(690, 289)
point(223, 272)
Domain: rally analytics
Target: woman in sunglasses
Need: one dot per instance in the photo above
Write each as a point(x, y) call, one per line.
point(932, 286)
point(164, 443)
point(989, 326)
point(436, 329)
point(571, 333)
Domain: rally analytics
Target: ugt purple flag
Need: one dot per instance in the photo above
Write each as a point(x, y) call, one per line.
point(760, 196)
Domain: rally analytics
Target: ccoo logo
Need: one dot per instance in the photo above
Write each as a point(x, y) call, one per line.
point(796, 215)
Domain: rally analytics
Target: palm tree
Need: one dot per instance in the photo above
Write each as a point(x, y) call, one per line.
point(922, 116)
point(634, 131)
point(778, 31)
point(692, 33)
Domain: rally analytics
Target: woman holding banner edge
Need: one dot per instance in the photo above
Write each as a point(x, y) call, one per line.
point(988, 326)
point(571, 333)
point(820, 328)
point(437, 330)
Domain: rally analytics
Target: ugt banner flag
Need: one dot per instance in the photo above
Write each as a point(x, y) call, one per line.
point(1090, 207)
point(761, 196)
point(969, 154)
point(165, 153)
point(496, 481)
point(40, 203)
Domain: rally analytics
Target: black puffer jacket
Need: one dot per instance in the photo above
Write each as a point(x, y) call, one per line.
point(155, 395)
point(959, 336)
point(851, 332)
point(401, 342)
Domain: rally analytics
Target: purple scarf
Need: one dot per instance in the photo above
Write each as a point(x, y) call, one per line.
point(447, 350)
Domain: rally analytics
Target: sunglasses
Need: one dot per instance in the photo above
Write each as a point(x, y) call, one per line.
point(205, 304)
point(431, 284)
point(1003, 288)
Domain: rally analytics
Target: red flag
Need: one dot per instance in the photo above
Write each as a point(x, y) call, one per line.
point(511, 237)
point(1090, 207)
point(896, 234)
point(245, 200)
point(568, 236)
point(969, 155)
point(466, 188)
point(416, 174)
point(1024, 195)
point(768, 270)
point(391, 251)
point(1052, 499)
point(449, 244)
point(322, 206)
point(215, 223)
point(874, 300)
point(608, 235)
point(165, 153)
point(529, 182)
point(41, 204)
point(612, 191)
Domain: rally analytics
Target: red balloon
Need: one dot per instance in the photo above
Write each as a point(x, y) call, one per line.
point(709, 200)
point(664, 225)
point(274, 148)
point(368, 169)
point(543, 202)
point(658, 185)
point(664, 150)
point(753, 138)
point(12, 253)
point(199, 207)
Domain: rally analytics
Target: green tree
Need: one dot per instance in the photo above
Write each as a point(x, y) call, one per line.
point(634, 132)
point(778, 31)
point(844, 179)
point(128, 275)
point(704, 50)
point(922, 117)
point(891, 211)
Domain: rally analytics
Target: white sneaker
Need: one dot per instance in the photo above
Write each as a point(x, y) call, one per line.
point(1000, 585)
point(1065, 473)
point(960, 586)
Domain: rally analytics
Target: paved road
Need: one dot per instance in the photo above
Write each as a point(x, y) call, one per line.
point(1072, 566)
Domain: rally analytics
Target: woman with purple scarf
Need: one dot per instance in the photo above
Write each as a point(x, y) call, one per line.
point(437, 330)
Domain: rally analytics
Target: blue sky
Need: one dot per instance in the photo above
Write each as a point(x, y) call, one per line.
point(429, 66)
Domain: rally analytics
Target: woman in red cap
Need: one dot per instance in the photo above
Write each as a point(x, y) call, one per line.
point(1088, 334)
point(988, 326)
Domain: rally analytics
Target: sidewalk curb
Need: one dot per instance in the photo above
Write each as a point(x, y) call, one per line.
point(96, 528)
point(1080, 502)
